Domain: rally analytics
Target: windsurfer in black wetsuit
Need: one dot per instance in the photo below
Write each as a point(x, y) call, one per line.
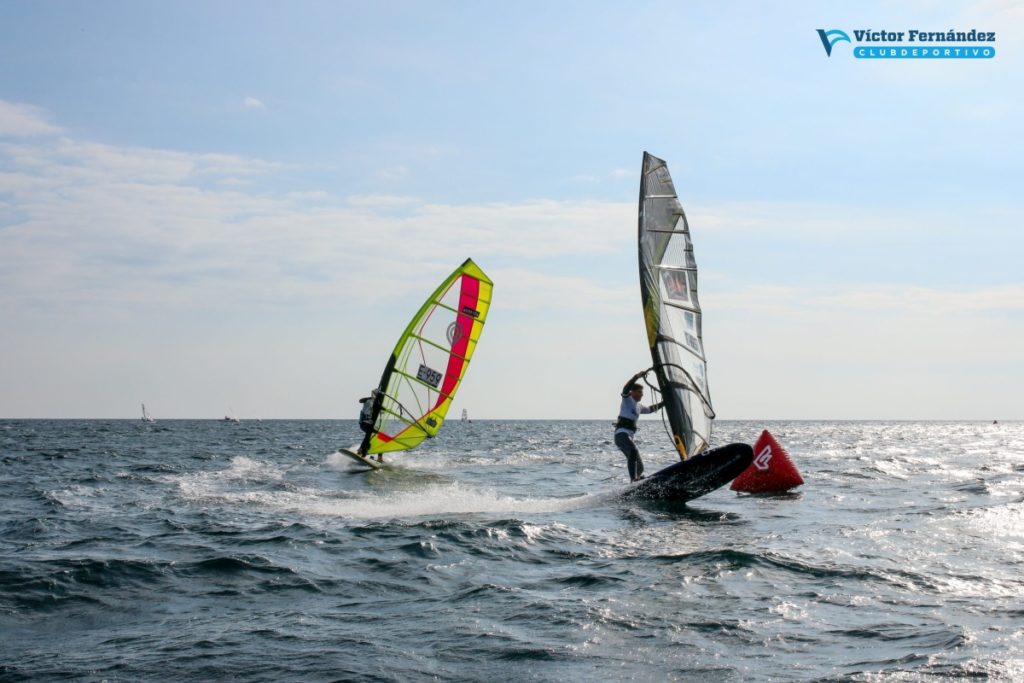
point(368, 420)
point(625, 427)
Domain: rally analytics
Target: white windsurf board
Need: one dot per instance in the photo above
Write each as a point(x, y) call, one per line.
point(361, 459)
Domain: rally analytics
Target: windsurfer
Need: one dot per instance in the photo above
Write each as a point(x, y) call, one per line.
point(368, 420)
point(630, 411)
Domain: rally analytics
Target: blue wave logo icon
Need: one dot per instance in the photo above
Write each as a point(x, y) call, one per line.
point(831, 37)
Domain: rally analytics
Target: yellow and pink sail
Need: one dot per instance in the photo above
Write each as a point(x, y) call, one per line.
point(430, 360)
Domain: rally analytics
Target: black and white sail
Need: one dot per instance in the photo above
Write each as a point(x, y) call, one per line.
point(668, 287)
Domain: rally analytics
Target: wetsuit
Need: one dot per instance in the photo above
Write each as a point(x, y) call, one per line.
point(630, 411)
point(368, 420)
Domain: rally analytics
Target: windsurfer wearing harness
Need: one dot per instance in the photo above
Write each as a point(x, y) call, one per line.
point(630, 411)
point(368, 420)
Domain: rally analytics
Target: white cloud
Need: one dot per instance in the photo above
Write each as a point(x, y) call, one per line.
point(817, 222)
point(524, 289)
point(102, 238)
point(383, 201)
point(928, 301)
point(864, 352)
point(253, 103)
point(393, 172)
point(615, 174)
point(875, 299)
point(24, 121)
point(110, 225)
point(89, 218)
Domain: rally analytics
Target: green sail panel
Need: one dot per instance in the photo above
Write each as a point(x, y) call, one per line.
point(668, 289)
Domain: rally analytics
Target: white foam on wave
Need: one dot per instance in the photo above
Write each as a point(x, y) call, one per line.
point(444, 500)
point(248, 469)
point(340, 462)
point(439, 500)
point(430, 500)
point(81, 497)
point(223, 484)
point(443, 461)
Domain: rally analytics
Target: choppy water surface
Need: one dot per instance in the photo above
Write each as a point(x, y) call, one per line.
point(201, 550)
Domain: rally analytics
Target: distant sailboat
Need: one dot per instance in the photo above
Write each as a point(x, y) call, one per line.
point(465, 415)
point(146, 417)
point(230, 417)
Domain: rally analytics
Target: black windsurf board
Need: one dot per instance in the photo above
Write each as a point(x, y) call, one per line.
point(694, 477)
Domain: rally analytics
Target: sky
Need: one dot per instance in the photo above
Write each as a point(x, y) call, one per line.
point(236, 206)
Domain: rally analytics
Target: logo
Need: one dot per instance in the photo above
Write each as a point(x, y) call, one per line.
point(912, 43)
point(763, 458)
point(454, 333)
point(831, 37)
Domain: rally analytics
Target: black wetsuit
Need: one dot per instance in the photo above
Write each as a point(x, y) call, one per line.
point(368, 420)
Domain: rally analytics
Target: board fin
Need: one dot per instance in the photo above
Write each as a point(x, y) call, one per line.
point(772, 470)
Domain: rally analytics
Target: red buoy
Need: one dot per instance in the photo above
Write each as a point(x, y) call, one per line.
point(772, 470)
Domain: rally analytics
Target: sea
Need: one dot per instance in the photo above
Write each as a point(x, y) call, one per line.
point(192, 550)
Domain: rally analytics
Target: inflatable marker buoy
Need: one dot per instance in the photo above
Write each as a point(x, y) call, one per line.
point(772, 470)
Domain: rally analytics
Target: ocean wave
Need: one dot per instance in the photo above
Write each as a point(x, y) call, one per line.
point(204, 553)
